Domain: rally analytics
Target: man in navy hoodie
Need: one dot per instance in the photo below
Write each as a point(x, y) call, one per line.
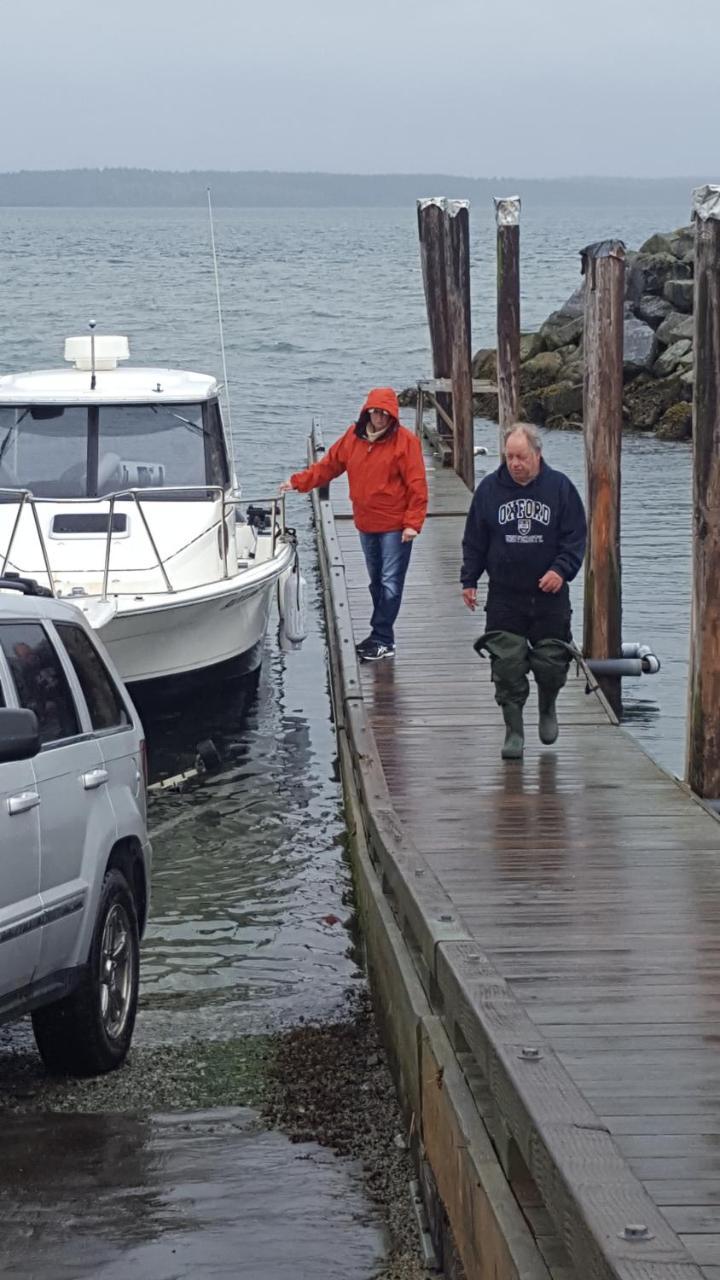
point(526, 528)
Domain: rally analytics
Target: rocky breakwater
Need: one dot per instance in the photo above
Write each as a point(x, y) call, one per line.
point(658, 356)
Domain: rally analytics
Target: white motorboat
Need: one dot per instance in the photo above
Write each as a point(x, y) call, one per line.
point(117, 491)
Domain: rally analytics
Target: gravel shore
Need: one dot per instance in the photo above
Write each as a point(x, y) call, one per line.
point(327, 1083)
point(332, 1085)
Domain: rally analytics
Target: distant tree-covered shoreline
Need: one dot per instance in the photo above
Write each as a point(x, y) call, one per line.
point(137, 188)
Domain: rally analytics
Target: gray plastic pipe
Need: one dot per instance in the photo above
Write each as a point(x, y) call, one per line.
point(637, 660)
point(615, 666)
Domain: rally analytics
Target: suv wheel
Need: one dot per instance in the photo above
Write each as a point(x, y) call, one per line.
point(89, 1031)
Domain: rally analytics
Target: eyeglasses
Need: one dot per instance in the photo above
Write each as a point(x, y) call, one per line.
point(382, 412)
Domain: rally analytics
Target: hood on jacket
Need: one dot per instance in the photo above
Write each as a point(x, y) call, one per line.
point(379, 398)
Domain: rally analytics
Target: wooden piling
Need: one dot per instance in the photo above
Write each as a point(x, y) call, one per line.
point(507, 217)
point(457, 273)
point(432, 230)
point(603, 265)
point(703, 737)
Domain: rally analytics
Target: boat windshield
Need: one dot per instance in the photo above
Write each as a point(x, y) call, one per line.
point(80, 451)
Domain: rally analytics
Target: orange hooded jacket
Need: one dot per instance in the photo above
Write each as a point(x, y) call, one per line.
point(388, 486)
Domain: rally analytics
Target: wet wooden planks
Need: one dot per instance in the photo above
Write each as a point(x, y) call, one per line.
point(589, 878)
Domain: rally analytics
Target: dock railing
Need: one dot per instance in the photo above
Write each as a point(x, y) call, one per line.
point(25, 498)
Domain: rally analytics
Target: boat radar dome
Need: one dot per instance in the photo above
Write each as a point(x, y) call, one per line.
point(109, 348)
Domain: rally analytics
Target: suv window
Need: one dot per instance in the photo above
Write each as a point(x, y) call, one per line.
point(39, 679)
point(107, 711)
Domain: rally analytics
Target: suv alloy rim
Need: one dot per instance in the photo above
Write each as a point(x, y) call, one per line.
point(116, 972)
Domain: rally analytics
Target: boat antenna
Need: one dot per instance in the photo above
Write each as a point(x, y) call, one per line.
point(92, 355)
point(231, 446)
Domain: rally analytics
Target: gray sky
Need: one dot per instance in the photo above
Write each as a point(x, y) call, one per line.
point(530, 88)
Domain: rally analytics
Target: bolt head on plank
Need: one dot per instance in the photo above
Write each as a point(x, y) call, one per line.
point(636, 1231)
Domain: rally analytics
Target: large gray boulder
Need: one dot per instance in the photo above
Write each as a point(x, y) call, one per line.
point(558, 402)
point(484, 364)
point(682, 243)
point(574, 306)
point(652, 310)
point(677, 356)
point(646, 399)
point(542, 370)
point(558, 331)
point(674, 328)
point(680, 294)
point(657, 243)
point(562, 400)
point(639, 346)
point(676, 423)
point(650, 271)
point(530, 345)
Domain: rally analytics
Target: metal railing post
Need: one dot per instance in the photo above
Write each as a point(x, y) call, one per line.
point(43, 548)
point(108, 544)
point(161, 566)
point(21, 504)
point(225, 535)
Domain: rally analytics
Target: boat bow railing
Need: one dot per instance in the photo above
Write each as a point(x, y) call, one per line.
point(26, 498)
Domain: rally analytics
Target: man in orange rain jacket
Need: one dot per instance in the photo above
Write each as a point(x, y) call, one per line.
point(388, 491)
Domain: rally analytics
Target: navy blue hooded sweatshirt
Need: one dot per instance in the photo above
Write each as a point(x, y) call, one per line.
point(517, 532)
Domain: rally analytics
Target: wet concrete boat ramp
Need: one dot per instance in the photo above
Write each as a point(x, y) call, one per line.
point(543, 939)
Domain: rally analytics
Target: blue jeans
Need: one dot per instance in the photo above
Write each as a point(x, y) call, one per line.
point(387, 558)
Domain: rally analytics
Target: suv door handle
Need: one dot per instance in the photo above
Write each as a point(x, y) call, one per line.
point(95, 778)
point(23, 801)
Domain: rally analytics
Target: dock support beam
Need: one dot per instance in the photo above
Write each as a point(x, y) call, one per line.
point(457, 271)
point(703, 739)
point(603, 264)
point(432, 230)
point(507, 217)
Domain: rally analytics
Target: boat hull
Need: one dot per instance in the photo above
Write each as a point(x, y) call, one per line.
point(185, 637)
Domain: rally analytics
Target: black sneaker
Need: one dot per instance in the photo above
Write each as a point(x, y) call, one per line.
point(367, 643)
point(375, 651)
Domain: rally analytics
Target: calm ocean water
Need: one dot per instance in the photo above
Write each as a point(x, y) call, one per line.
point(319, 305)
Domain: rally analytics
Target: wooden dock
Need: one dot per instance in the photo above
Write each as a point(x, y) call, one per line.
point(561, 915)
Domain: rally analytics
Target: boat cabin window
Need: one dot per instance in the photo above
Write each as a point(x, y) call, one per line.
point(74, 451)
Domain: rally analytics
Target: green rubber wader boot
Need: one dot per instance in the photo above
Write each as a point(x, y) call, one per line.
point(547, 722)
point(510, 663)
point(514, 744)
point(549, 662)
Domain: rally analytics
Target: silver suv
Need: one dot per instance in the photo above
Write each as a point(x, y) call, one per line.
point(74, 850)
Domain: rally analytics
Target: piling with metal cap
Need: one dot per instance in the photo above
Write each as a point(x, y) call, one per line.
point(507, 217)
point(457, 272)
point(432, 230)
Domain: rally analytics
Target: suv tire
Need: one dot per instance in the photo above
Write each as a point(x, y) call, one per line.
point(89, 1031)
